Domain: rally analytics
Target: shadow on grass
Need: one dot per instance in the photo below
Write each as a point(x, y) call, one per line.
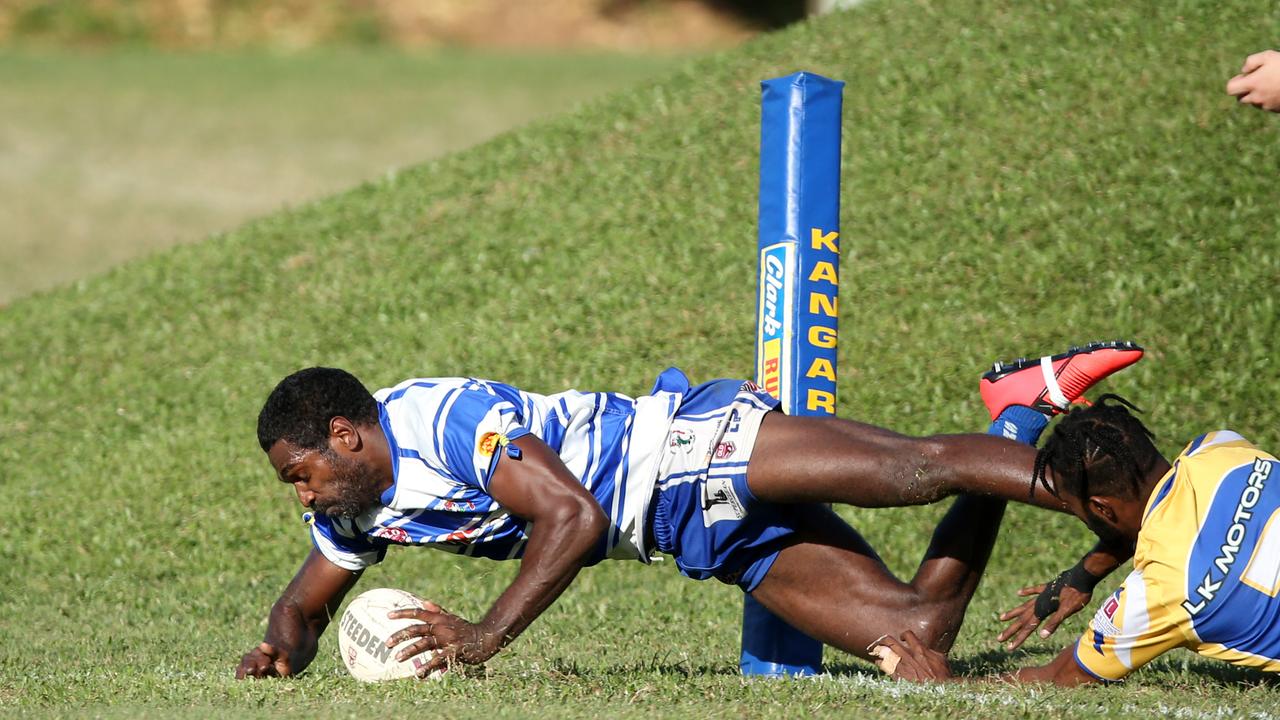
point(659, 666)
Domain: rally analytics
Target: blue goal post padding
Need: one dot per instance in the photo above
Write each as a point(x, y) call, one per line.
point(797, 293)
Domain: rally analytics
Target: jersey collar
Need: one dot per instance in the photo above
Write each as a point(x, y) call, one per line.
point(1163, 487)
point(384, 420)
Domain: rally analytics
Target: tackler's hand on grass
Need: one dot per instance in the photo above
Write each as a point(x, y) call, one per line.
point(1258, 83)
point(266, 660)
point(453, 639)
point(1050, 602)
point(910, 659)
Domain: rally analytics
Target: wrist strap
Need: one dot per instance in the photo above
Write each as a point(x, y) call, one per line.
point(1047, 600)
point(1077, 578)
point(1080, 579)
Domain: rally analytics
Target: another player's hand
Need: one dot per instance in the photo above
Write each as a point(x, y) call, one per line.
point(1024, 619)
point(264, 661)
point(1258, 83)
point(910, 659)
point(452, 638)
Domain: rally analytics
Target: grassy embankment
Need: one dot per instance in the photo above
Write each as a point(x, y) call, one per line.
point(110, 154)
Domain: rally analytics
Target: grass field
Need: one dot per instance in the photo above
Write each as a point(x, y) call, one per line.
point(1016, 179)
point(107, 155)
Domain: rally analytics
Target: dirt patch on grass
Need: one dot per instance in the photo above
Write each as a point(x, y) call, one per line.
point(203, 24)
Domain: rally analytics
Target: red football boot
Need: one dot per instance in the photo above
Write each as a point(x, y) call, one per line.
point(1052, 383)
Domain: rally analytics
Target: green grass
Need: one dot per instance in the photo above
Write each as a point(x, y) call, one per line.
point(105, 156)
point(1015, 179)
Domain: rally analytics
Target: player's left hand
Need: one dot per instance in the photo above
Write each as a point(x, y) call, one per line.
point(915, 661)
point(455, 640)
point(1050, 603)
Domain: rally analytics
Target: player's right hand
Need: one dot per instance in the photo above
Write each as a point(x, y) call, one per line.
point(264, 661)
point(1258, 83)
point(1024, 619)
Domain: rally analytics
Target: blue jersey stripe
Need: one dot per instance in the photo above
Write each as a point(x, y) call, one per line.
point(1195, 444)
point(589, 476)
point(397, 394)
point(1076, 654)
point(1163, 492)
point(438, 435)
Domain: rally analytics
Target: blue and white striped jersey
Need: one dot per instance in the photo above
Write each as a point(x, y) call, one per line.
point(445, 435)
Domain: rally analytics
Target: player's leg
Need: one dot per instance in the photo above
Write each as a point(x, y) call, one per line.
point(829, 583)
point(806, 459)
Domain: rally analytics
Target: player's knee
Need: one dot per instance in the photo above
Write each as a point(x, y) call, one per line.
point(935, 625)
point(935, 630)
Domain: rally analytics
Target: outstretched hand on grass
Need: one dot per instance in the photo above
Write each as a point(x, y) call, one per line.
point(266, 660)
point(450, 637)
point(1044, 606)
point(1258, 83)
point(910, 659)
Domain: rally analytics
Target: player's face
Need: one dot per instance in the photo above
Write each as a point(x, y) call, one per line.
point(327, 481)
point(1115, 520)
point(1100, 525)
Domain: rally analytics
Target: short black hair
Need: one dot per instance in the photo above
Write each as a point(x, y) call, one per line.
point(300, 408)
point(1101, 449)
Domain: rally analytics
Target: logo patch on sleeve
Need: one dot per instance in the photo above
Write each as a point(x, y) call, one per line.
point(1104, 619)
point(488, 443)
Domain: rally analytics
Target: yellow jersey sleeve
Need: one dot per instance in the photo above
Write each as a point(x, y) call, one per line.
point(1135, 624)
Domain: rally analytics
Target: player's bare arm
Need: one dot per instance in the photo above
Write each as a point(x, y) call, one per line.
point(298, 618)
point(1069, 593)
point(566, 524)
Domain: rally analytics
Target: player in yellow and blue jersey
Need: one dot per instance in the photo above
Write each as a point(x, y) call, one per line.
point(1205, 539)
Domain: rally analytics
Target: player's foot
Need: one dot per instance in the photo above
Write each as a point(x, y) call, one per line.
point(1052, 383)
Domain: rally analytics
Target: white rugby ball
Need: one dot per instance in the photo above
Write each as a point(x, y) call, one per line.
point(363, 630)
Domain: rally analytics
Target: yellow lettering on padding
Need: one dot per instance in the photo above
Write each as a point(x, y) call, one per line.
point(824, 271)
point(821, 399)
point(821, 367)
point(819, 240)
point(823, 304)
point(823, 337)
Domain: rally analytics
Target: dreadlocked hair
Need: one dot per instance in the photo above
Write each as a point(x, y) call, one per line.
point(1102, 448)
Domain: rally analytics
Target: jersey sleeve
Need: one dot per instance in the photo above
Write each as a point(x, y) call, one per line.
point(475, 427)
point(342, 546)
point(1134, 625)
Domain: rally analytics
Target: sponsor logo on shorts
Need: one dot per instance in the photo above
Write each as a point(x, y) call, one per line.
point(488, 443)
point(394, 534)
point(682, 439)
point(720, 502)
point(725, 449)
